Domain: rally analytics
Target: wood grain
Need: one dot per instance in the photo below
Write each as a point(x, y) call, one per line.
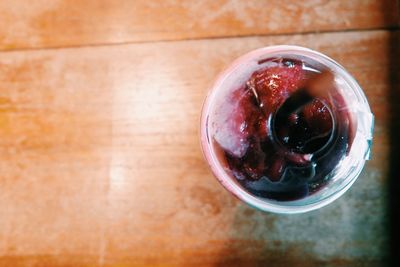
point(61, 23)
point(100, 162)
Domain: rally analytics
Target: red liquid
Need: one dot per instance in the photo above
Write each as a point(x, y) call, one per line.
point(289, 159)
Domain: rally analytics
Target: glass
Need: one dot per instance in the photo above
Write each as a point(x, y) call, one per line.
point(340, 177)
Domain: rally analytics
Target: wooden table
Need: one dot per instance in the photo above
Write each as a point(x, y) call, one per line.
point(100, 162)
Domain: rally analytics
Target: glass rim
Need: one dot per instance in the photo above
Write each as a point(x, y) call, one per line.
point(227, 181)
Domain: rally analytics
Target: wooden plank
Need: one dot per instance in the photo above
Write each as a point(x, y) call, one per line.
point(100, 162)
point(61, 23)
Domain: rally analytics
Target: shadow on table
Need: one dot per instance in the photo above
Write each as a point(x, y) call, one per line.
point(255, 241)
point(394, 156)
point(253, 244)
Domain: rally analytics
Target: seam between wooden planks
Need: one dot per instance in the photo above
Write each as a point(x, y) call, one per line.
point(388, 29)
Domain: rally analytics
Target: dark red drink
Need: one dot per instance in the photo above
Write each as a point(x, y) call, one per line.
point(282, 159)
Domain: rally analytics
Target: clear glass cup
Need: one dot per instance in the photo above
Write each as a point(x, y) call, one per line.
point(340, 179)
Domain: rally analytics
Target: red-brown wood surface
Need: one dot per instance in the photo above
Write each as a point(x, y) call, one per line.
point(100, 161)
